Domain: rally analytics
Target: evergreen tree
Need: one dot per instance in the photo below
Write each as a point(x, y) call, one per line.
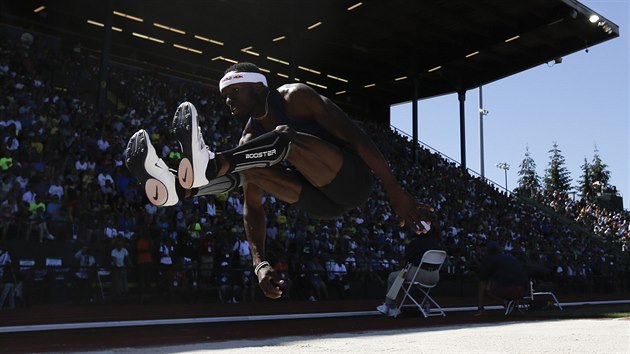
point(557, 177)
point(586, 182)
point(529, 181)
point(599, 173)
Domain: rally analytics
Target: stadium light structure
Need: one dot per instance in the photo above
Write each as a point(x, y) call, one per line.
point(482, 113)
point(505, 167)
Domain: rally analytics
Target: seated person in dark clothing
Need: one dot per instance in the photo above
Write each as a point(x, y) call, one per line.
point(414, 250)
point(501, 275)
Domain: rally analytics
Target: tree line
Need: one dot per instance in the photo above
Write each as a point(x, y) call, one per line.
point(557, 179)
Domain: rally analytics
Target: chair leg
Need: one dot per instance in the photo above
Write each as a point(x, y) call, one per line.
point(429, 302)
point(509, 307)
point(555, 299)
point(424, 306)
point(404, 299)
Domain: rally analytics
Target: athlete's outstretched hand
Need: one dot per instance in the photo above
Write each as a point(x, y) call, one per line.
point(411, 212)
point(270, 282)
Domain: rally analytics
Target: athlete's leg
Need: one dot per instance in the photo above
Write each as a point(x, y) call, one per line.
point(159, 181)
point(219, 185)
point(199, 165)
point(195, 154)
point(329, 176)
point(318, 160)
point(289, 186)
point(278, 181)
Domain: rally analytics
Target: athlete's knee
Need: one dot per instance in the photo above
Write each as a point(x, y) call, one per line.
point(286, 132)
point(253, 175)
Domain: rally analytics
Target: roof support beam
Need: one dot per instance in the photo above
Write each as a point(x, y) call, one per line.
point(106, 51)
point(461, 96)
point(414, 117)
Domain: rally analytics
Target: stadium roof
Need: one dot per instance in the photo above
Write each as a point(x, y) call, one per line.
point(364, 52)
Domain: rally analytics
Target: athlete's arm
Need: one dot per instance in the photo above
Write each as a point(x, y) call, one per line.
point(256, 231)
point(254, 222)
point(306, 102)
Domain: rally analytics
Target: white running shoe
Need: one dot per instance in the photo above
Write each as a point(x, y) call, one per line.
point(383, 309)
point(191, 172)
point(150, 170)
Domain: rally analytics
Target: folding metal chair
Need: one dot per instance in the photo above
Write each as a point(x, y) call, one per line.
point(430, 265)
point(533, 293)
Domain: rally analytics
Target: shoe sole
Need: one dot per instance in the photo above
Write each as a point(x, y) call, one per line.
point(136, 152)
point(183, 127)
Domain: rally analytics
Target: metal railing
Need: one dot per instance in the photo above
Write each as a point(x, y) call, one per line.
point(572, 224)
point(450, 159)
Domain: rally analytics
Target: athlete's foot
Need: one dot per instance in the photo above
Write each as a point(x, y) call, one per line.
point(144, 163)
point(195, 154)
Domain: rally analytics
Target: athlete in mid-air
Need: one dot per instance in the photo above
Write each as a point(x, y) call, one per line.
point(328, 169)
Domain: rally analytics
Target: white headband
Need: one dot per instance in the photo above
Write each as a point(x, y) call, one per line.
point(234, 77)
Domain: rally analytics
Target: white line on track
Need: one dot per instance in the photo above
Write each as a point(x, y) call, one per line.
point(200, 320)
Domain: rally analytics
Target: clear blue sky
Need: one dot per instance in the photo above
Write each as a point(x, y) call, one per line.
point(580, 103)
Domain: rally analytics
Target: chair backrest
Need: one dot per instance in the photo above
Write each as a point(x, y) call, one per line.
point(433, 257)
point(430, 265)
point(53, 262)
point(27, 264)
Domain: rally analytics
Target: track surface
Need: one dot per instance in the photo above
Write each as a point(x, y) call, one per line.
point(210, 334)
point(550, 336)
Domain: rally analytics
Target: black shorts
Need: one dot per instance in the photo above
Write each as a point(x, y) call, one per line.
point(349, 189)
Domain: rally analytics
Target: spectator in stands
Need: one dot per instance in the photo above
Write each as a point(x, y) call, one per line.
point(241, 251)
point(103, 143)
point(85, 274)
point(81, 164)
point(166, 255)
point(282, 267)
point(6, 161)
point(7, 279)
point(316, 275)
point(28, 196)
point(6, 185)
point(22, 179)
point(37, 222)
point(179, 280)
point(229, 280)
point(502, 276)
point(338, 277)
point(120, 263)
point(248, 285)
point(9, 211)
point(234, 203)
point(144, 263)
point(110, 230)
point(207, 249)
point(55, 210)
point(56, 188)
